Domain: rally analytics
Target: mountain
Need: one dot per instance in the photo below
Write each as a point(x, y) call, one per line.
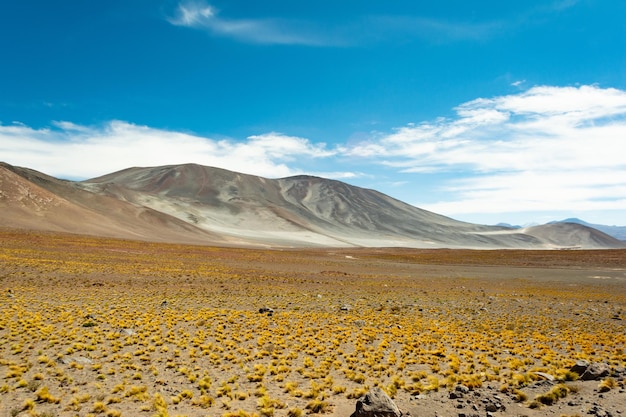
point(197, 204)
point(509, 226)
point(618, 232)
point(32, 200)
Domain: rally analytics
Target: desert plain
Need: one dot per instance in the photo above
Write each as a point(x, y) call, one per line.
point(107, 327)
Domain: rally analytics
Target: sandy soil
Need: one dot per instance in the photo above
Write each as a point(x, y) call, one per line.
point(110, 327)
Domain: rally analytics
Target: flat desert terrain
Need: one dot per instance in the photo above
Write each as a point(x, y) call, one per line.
point(106, 327)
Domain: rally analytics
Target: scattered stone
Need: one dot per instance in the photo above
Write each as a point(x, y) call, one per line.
point(165, 304)
point(599, 412)
point(266, 310)
point(345, 307)
point(127, 332)
point(491, 407)
point(376, 404)
point(493, 404)
point(76, 359)
point(462, 389)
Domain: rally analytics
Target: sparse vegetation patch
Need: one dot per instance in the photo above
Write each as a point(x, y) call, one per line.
point(120, 328)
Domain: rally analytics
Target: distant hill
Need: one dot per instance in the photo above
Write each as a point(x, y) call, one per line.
point(618, 232)
point(198, 204)
point(510, 226)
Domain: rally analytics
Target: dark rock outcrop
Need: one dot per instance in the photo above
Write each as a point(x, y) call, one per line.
point(590, 371)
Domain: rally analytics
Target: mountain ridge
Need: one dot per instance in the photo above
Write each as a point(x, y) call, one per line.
point(618, 232)
point(192, 203)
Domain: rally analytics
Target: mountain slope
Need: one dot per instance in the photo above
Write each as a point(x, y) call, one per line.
point(32, 200)
point(193, 203)
point(297, 210)
point(618, 232)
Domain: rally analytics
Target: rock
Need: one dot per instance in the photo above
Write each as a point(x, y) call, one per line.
point(590, 372)
point(595, 371)
point(544, 375)
point(491, 407)
point(267, 310)
point(376, 404)
point(599, 412)
point(580, 367)
point(127, 332)
point(345, 307)
point(462, 389)
point(493, 404)
point(76, 359)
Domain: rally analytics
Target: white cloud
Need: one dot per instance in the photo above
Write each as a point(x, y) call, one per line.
point(88, 151)
point(583, 103)
point(543, 127)
point(360, 30)
point(192, 14)
point(200, 15)
point(545, 148)
point(281, 146)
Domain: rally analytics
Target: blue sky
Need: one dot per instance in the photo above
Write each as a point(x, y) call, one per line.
point(487, 112)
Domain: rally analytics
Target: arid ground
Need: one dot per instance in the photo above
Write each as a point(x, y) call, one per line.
point(94, 326)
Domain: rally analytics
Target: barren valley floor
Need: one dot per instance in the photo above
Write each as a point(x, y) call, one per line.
point(93, 326)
